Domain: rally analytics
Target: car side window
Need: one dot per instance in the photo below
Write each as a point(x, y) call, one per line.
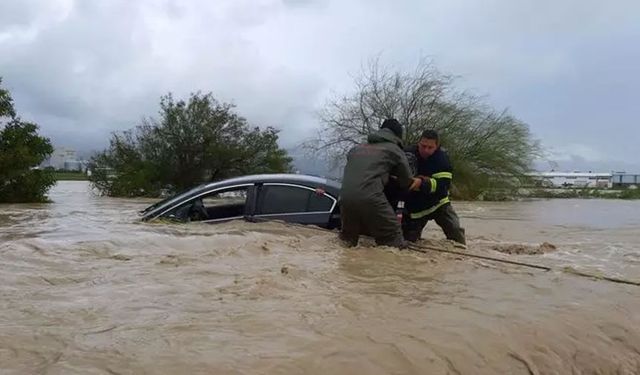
point(220, 204)
point(234, 197)
point(282, 199)
point(319, 203)
point(277, 199)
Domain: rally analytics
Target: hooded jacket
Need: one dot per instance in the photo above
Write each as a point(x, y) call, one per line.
point(370, 164)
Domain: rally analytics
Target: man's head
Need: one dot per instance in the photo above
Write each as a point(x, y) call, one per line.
point(429, 143)
point(394, 125)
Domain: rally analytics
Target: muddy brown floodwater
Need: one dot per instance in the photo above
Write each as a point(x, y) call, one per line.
point(87, 289)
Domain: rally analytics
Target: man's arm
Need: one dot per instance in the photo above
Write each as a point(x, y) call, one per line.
point(402, 172)
point(439, 182)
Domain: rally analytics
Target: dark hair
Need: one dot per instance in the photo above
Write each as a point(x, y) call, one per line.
point(431, 134)
point(393, 125)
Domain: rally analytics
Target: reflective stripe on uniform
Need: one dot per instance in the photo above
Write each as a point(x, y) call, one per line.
point(448, 175)
point(430, 210)
point(434, 184)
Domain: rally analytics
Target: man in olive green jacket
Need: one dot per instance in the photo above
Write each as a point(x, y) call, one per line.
point(364, 208)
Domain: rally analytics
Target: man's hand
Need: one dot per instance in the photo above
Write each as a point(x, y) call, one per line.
point(415, 185)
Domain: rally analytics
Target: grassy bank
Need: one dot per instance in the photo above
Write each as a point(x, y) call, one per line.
point(586, 193)
point(70, 176)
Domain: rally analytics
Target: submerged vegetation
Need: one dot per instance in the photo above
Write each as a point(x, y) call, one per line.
point(585, 193)
point(22, 149)
point(191, 142)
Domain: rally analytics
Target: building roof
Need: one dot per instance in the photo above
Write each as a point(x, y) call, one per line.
point(570, 174)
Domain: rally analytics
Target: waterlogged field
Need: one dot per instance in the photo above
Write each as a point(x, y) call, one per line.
point(85, 288)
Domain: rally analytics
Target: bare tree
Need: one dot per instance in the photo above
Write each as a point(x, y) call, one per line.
point(485, 145)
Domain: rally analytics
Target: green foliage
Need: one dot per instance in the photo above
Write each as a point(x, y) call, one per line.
point(191, 142)
point(69, 176)
point(571, 193)
point(630, 194)
point(21, 151)
point(484, 145)
point(6, 103)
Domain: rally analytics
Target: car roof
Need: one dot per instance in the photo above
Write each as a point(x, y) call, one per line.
point(330, 186)
point(302, 179)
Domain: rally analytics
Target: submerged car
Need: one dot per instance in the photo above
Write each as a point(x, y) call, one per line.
point(292, 198)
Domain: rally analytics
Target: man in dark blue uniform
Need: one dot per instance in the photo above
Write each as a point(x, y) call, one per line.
point(431, 201)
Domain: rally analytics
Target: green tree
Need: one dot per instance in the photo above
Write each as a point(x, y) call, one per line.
point(190, 142)
point(488, 148)
point(21, 151)
point(6, 104)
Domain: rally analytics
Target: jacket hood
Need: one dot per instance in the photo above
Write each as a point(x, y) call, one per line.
point(384, 135)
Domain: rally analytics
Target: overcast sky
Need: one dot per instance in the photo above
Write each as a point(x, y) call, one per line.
point(568, 68)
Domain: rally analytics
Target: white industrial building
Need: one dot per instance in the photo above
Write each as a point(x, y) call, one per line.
point(573, 179)
point(64, 159)
point(585, 179)
point(622, 179)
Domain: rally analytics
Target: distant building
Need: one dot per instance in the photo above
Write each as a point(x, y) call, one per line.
point(64, 158)
point(622, 179)
point(573, 179)
point(72, 165)
point(585, 179)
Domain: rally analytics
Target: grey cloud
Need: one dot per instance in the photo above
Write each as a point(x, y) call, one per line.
point(21, 13)
point(82, 69)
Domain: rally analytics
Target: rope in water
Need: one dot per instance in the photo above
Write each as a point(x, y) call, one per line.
point(572, 271)
point(424, 249)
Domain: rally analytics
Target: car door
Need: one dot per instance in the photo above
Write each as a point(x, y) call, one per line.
point(294, 203)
